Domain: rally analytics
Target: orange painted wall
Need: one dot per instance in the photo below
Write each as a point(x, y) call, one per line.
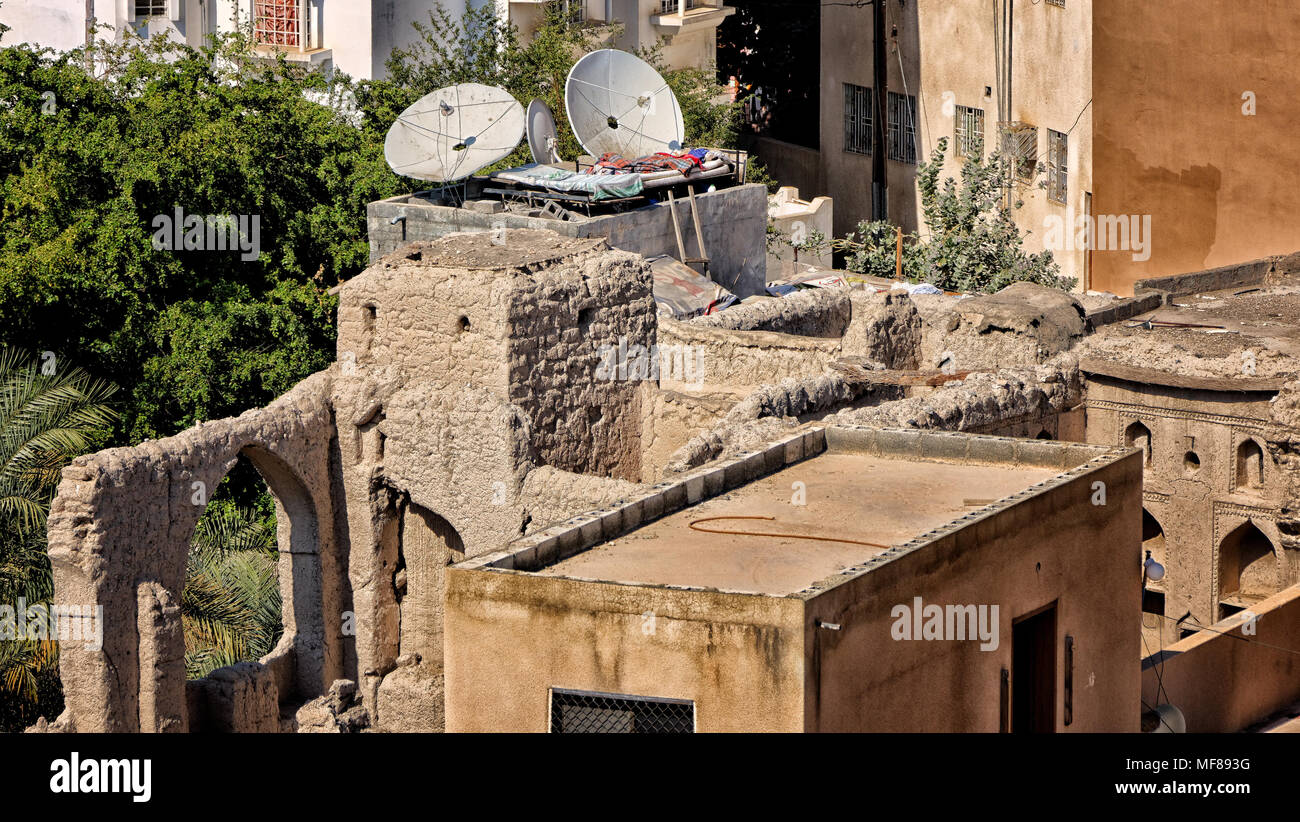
point(1171, 139)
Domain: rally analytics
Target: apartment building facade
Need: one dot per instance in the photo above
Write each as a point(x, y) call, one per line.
point(357, 36)
point(984, 75)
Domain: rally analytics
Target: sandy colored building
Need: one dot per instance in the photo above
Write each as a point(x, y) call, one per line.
point(1195, 121)
point(680, 623)
point(946, 80)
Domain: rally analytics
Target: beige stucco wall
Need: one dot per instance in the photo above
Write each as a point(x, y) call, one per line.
point(1225, 679)
point(944, 55)
point(1173, 141)
point(1054, 547)
point(511, 637)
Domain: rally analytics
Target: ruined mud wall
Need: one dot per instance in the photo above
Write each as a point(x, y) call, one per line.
point(814, 312)
point(119, 533)
point(1021, 325)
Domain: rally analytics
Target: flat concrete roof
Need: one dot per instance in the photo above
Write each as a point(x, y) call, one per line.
point(849, 496)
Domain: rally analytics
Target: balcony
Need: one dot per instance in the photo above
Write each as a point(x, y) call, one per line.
point(682, 15)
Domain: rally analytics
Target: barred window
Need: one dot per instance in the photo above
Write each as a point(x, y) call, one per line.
point(857, 119)
point(585, 712)
point(1020, 147)
point(1058, 157)
point(1060, 3)
point(969, 133)
point(573, 11)
point(670, 6)
point(902, 128)
point(150, 8)
point(276, 22)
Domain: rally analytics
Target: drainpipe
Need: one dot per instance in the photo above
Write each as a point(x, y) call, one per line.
point(880, 95)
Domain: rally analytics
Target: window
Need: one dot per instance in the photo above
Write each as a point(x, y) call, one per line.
point(1250, 465)
point(281, 22)
point(583, 712)
point(857, 119)
point(670, 6)
point(1020, 146)
point(1058, 157)
point(1139, 436)
point(902, 128)
point(969, 134)
point(150, 8)
point(573, 11)
point(1060, 3)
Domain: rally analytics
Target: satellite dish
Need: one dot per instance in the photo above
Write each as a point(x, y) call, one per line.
point(543, 140)
point(618, 103)
point(1171, 720)
point(453, 132)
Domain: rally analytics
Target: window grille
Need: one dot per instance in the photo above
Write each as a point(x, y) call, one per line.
point(150, 8)
point(1020, 147)
point(278, 23)
point(857, 119)
point(1058, 157)
point(969, 134)
point(670, 6)
point(582, 712)
point(1060, 3)
point(902, 128)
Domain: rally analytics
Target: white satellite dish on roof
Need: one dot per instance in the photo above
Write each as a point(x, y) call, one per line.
point(543, 139)
point(617, 102)
point(453, 132)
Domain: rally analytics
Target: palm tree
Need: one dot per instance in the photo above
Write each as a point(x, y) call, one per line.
point(230, 606)
point(49, 413)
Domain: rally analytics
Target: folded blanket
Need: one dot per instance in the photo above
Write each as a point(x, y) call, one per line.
point(611, 163)
point(600, 187)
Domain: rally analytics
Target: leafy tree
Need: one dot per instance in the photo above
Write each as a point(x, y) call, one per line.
point(89, 165)
point(975, 244)
point(49, 413)
point(873, 250)
point(230, 607)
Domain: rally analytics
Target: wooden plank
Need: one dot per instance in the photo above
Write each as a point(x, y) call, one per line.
point(858, 373)
point(699, 232)
point(677, 227)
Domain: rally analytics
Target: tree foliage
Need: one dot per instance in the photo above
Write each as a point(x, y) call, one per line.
point(974, 243)
point(50, 411)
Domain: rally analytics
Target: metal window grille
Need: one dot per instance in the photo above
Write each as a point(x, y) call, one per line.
point(1020, 147)
point(670, 6)
point(583, 712)
point(573, 11)
point(281, 22)
point(857, 119)
point(969, 133)
point(150, 8)
point(1058, 162)
point(1060, 3)
point(902, 128)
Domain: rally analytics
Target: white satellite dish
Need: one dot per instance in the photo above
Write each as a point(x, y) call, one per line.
point(453, 132)
point(618, 102)
point(543, 139)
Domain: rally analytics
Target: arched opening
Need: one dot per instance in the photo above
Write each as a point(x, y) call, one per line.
point(427, 544)
point(1250, 466)
point(1248, 569)
point(230, 605)
point(253, 579)
point(1043, 435)
point(1191, 462)
point(1154, 626)
point(1138, 435)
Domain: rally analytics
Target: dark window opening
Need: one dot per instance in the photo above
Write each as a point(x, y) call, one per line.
point(578, 712)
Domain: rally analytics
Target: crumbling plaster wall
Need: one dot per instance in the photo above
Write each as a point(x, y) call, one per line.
point(119, 534)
